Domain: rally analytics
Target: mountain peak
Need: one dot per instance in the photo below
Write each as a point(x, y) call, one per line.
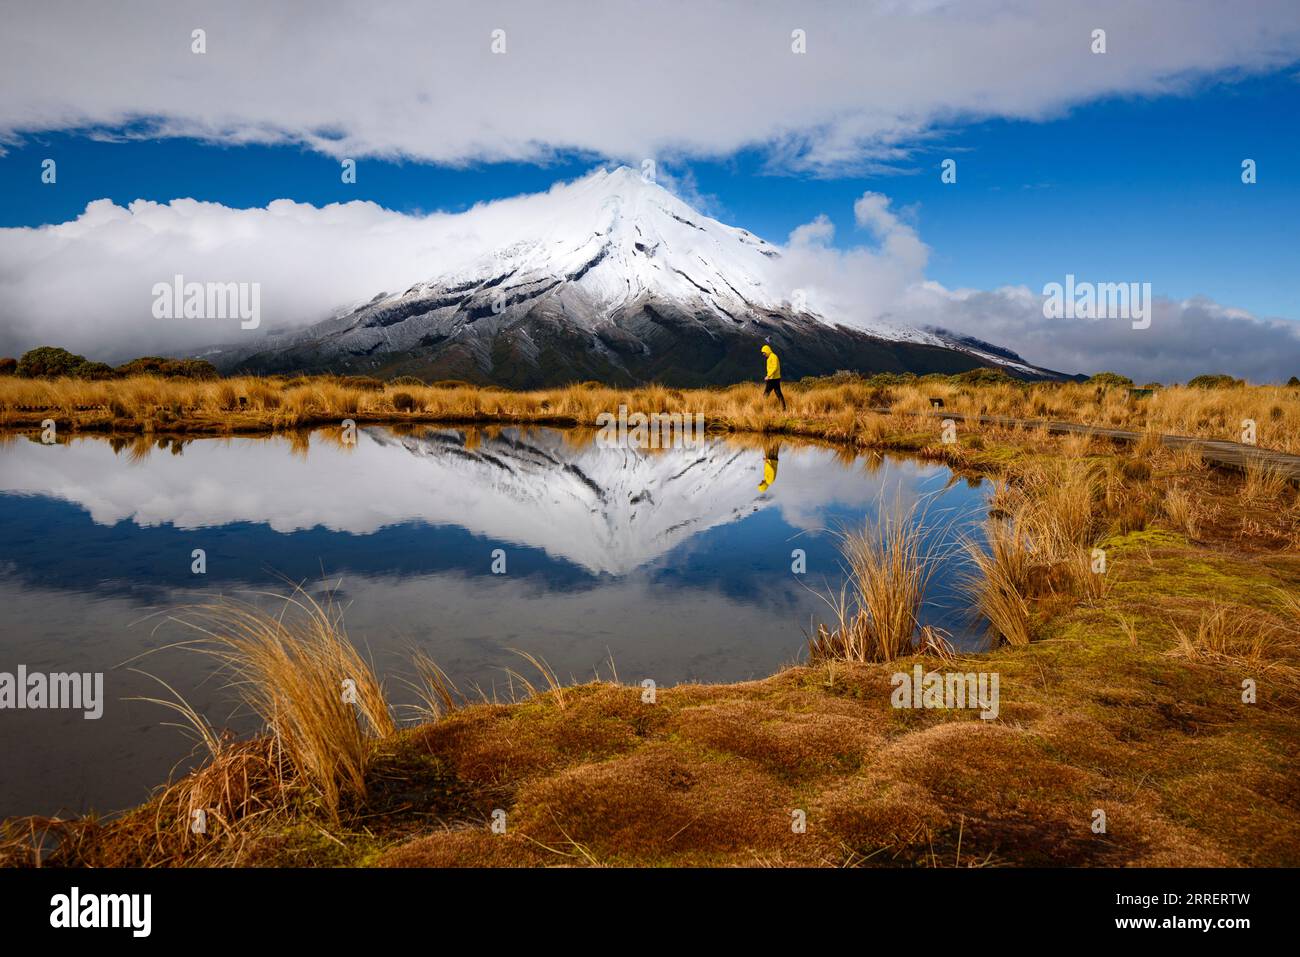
point(623, 172)
point(635, 196)
point(625, 177)
point(610, 276)
point(639, 195)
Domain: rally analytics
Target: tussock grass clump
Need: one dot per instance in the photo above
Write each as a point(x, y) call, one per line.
point(1056, 510)
point(554, 686)
point(1263, 482)
point(1059, 507)
point(999, 583)
point(437, 693)
point(1078, 445)
point(1182, 510)
point(877, 611)
point(201, 819)
point(1188, 459)
point(1041, 541)
point(320, 700)
point(1226, 633)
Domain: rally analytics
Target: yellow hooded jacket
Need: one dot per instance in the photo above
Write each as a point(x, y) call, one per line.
point(773, 364)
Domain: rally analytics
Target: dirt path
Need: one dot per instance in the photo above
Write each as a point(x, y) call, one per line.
point(1230, 454)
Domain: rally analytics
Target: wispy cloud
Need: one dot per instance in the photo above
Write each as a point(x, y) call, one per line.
point(617, 79)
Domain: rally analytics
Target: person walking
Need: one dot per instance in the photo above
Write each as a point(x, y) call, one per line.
point(772, 381)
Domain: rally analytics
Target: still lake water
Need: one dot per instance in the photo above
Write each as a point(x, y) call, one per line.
point(674, 563)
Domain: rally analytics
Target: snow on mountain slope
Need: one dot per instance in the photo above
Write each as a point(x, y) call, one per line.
point(609, 277)
point(613, 237)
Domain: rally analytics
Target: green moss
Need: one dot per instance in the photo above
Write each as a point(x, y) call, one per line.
point(308, 844)
point(1151, 538)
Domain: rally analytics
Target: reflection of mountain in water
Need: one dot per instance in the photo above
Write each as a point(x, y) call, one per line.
point(607, 509)
point(602, 510)
point(671, 562)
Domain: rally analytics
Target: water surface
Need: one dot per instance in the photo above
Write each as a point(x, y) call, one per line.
point(675, 564)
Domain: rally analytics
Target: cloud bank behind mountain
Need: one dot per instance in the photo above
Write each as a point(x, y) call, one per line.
point(87, 284)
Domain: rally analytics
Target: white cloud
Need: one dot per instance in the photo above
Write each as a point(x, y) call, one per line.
point(1186, 338)
point(87, 284)
point(617, 79)
point(865, 285)
point(857, 284)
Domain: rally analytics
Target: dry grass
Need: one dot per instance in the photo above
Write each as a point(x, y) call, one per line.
point(320, 700)
point(1225, 633)
point(1059, 501)
point(839, 408)
point(1182, 510)
point(878, 610)
point(1149, 443)
point(554, 687)
point(1042, 540)
point(437, 693)
point(1188, 459)
point(1263, 482)
point(1290, 601)
point(1000, 581)
point(1060, 512)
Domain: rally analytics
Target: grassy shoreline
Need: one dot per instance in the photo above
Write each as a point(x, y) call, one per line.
point(835, 408)
point(1124, 698)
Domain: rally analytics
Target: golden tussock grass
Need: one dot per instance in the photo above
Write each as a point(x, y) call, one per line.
point(320, 701)
point(323, 711)
point(437, 693)
point(1182, 509)
point(1041, 542)
point(877, 613)
point(999, 581)
point(837, 408)
point(1263, 482)
point(1227, 633)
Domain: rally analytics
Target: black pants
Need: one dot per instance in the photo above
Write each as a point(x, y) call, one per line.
point(773, 385)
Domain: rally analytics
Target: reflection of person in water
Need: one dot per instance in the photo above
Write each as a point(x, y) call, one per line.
point(769, 467)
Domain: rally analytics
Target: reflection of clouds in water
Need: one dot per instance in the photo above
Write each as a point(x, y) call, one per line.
point(469, 626)
point(607, 510)
point(721, 606)
point(55, 759)
point(812, 481)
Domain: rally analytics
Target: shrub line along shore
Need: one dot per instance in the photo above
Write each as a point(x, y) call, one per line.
point(1148, 713)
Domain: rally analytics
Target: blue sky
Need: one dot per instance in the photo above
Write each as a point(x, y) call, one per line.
point(1116, 165)
point(1141, 187)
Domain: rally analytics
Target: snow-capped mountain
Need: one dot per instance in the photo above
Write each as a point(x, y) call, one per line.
point(616, 280)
